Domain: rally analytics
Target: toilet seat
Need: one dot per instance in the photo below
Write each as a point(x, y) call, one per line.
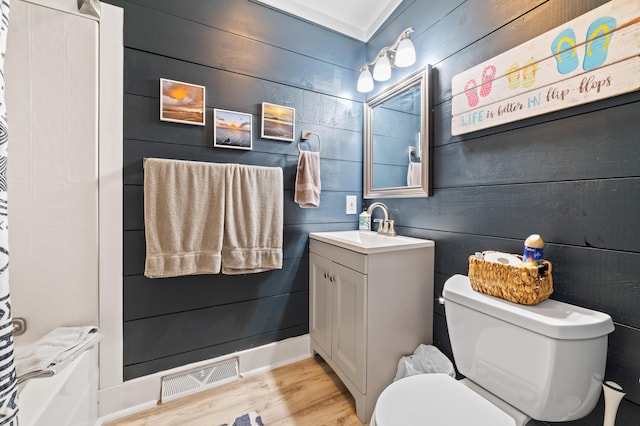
point(435, 400)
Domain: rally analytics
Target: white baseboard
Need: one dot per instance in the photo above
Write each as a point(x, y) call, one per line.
point(144, 392)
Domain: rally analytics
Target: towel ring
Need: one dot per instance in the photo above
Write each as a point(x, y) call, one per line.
point(306, 135)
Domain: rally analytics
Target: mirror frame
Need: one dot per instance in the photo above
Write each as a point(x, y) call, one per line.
point(420, 77)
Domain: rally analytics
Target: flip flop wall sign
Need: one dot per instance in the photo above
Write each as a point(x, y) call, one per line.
point(592, 57)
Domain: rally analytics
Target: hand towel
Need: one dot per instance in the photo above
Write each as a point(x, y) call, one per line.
point(414, 174)
point(183, 217)
point(307, 190)
point(54, 351)
point(253, 219)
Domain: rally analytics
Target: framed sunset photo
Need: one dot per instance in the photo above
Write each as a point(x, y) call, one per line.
point(278, 122)
point(231, 129)
point(182, 102)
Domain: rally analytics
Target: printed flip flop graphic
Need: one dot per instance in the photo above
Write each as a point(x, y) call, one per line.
point(488, 75)
point(596, 48)
point(513, 76)
point(564, 50)
point(529, 73)
point(472, 93)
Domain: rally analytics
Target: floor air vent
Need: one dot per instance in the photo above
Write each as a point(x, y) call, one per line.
point(189, 382)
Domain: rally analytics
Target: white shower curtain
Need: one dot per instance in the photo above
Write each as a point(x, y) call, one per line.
point(8, 384)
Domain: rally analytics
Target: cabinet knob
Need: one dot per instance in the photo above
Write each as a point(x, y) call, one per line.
point(325, 275)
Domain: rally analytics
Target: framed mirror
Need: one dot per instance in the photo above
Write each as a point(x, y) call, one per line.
point(396, 139)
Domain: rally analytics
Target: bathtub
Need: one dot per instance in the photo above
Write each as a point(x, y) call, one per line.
point(67, 398)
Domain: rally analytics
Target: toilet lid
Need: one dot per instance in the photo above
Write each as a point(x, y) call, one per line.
point(435, 400)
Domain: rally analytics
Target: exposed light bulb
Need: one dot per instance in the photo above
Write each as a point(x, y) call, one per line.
point(382, 69)
point(365, 81)
point(405, 54)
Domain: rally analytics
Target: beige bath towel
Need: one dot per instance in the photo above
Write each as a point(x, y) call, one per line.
point(307, 190)
point(414, 174)
point(183, 215)
point(253, 219)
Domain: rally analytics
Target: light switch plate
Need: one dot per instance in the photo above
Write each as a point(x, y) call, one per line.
point(352, 200)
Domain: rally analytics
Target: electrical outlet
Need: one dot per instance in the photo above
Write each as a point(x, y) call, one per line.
point(352, 200)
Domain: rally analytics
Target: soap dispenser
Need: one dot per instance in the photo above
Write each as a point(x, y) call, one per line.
point(364, 221)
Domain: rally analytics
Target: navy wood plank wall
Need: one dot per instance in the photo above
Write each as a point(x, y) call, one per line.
point(573, 176)
point(245, 54)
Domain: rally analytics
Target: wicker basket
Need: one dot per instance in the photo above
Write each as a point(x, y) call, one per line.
point(526, 285)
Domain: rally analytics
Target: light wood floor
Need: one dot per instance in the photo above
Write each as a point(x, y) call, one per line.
point(307, 393)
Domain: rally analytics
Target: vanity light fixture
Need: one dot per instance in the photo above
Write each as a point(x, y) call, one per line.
point(382, 69)
point(365, 81)
point(405, 52)
point(400, 54)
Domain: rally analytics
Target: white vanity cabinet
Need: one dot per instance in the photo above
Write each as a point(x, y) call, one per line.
point(367, 310)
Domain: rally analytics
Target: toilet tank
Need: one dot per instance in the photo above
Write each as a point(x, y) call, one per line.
point(547, 360)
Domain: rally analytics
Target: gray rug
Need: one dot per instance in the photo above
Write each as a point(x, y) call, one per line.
point(250, 419)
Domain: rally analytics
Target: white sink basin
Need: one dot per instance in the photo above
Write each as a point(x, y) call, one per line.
point(369, 242)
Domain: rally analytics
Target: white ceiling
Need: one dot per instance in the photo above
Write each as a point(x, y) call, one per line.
point(356, 18)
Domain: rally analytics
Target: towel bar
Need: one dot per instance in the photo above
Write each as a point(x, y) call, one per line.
point(306, 135)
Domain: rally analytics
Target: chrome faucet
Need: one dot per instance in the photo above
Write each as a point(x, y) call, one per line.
point(385, 226)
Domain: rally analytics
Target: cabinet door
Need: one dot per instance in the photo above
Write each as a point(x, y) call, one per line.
point(320, 301)
point(349, 328)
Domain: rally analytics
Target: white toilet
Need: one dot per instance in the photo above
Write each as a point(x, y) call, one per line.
point(544, 362)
